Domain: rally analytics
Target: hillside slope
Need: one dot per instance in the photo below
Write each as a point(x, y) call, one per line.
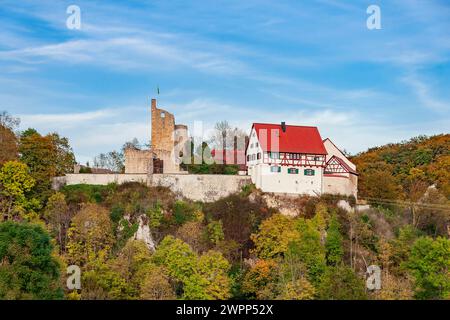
point(404, 170)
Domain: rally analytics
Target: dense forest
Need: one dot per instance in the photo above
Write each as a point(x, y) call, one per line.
point(238, 247)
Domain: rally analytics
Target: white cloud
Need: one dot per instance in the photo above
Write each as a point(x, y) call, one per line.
point(127, 53)
point(425, 94)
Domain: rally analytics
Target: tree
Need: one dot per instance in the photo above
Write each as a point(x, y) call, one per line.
point(57, 215)
point(308, 249)
point(273, 236)
point(28, 269)
point(214, 232)
point(9, 149)
point(210, 280)
point(259, 281)
point(112, 160)
point(8, 121)
point(99, 280)
point(156, 286)
point(394, 288)
point(192, 233)
point(240, 218)
point(300, 289)
point(341, 283)
point(90, 233)
point(147, 280)
point(224, 136)
point(15, 183)
point(133, 144)
point(380, 184)
point(38, 153)
point(47, 157)
point(333, 244)
point(178, 258)
point(203, 277)
point(64, 158)
point(415, 189)
point(439, 172)
point(429, 264)
point(432, 213)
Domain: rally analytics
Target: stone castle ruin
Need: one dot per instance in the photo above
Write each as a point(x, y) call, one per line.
point(168, 141)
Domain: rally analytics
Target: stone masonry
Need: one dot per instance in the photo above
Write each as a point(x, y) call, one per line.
point(167, 144)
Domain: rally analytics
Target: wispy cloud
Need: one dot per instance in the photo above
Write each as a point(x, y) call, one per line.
point(425, 94)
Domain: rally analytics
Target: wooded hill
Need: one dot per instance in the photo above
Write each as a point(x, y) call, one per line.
point(238, 247)
point(403, 170)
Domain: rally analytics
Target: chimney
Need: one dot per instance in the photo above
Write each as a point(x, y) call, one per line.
point(153, 104)
point(283, 126)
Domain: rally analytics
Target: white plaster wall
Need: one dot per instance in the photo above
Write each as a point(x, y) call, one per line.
point(252, 149)
point(283, 182)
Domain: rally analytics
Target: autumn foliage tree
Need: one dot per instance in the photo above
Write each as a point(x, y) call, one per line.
point(46, 157)
point(90, 234)
point(15, 185)
point(9, 149)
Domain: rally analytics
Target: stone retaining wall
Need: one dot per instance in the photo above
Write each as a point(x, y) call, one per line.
point(206, 188)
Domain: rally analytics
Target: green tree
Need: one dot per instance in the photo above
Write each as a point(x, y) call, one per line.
point(333, 245)
point(28, 269)
point(429, 263)
point(341, 283)
point(203, 277)
point(309, 249)
point(210, 280)
point(177, 257)
point(100, 281)
point(214, 232)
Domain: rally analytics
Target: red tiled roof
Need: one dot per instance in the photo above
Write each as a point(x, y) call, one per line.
point(296, 139)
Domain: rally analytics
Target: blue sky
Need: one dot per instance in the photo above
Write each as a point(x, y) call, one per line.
point(304, 62)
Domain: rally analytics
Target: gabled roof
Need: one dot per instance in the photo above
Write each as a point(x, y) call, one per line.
point(296, 139)
point(343, 164)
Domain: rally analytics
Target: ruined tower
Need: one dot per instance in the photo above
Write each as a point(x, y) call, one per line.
point(163, 127)
point(167, 144)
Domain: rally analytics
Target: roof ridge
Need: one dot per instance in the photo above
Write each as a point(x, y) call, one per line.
point(287, 125)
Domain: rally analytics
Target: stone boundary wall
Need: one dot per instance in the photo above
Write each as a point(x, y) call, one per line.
point(204, 187)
